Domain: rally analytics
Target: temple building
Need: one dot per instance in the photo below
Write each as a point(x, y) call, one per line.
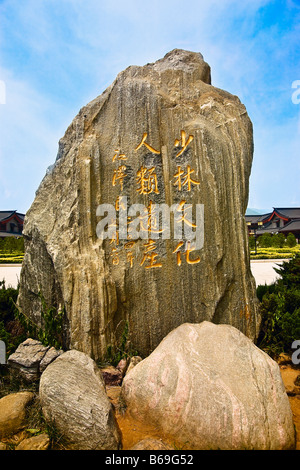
point(282, 220)
point(11, 224)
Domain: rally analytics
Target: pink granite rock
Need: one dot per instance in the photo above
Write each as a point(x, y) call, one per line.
point(209, 387)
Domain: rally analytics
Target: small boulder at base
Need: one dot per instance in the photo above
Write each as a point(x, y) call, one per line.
point(31, 358)
point(39, 442)
point(13, 412)
point(208, 386)
point(151, 444)
point(72, 394)
point(26, 359)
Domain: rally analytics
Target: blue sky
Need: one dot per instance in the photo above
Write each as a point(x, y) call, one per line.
point(57, 55)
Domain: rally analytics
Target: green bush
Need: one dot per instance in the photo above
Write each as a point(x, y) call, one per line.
point(251, 242)
point(11, 250)
point(12, 244)
point(280, 309)
point(278, 240)
point(11, 330)
point(263, 289)
point(291, 240)
point(50, 333)
point(15, 327)
point(265, 240)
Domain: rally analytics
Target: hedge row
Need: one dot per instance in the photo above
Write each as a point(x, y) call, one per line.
point(275, 253)
point(11, 258)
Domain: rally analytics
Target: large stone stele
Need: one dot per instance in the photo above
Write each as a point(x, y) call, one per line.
point(160, 134)
point(73, 397)
point(208, 387)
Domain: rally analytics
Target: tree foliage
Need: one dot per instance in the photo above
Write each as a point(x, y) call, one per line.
point(280, 309)
point(12, 244)
point(291, 240)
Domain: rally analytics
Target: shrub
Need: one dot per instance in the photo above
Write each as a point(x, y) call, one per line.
point(50, 333)
point(291, 240)
point(265, 240)
point(280, 309)
point(12, 244)
point(11, 330)
point(15, 327)
point(278, 240)
point(251, 242)
point(263, 289)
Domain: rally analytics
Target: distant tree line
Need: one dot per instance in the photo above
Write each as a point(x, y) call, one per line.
point(278, 240)
point(12, 244)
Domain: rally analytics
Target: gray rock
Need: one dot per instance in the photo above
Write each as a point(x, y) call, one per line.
point(160, 134)
point(26, 359)
point(31, 358)
point(72, 394)
point(207, 387)
point(49, 357)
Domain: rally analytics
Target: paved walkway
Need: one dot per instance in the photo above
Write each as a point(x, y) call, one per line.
point(262, 270)
point(11, 274)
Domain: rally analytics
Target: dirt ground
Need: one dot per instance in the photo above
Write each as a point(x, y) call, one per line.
point(295, 405)
point(289, 376)
point(134, 431)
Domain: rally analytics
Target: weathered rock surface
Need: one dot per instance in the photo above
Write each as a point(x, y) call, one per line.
point(31, 358)
point(111, 376)
point(209, 387)
point(39, 442)
point(72, 394)
point(123, 365)
point(49, 357)
point(133, 362)
point(160, 134)
point(151, 444)
point(13, 412)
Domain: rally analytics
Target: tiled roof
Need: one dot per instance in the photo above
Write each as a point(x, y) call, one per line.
point(7, 214)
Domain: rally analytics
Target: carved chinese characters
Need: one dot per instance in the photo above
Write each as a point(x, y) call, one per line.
point(149, 220)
